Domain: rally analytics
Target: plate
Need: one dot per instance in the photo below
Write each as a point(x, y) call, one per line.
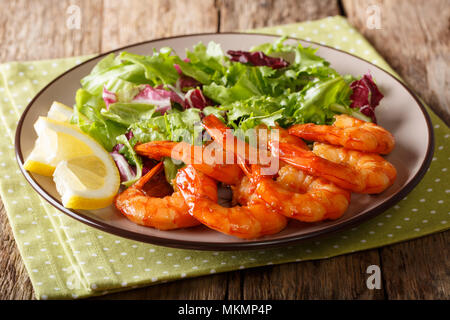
point(400, 112)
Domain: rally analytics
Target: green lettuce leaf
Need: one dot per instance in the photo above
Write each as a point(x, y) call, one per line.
point(88, 117)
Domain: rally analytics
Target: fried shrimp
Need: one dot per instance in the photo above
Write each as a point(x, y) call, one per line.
point(376, 172)
point(167, 213)
point(348, 132)
point(312, 199)
point(300, 196)
point(253, 220)
point(195, 155)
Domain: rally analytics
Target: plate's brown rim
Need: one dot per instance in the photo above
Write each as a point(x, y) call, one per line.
point(182, 244)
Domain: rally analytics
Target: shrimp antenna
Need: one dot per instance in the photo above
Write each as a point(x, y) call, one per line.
point(153, 171)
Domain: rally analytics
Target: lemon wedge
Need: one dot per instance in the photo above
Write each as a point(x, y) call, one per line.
point(85, 174)
point(60, 112)
point(38, 161)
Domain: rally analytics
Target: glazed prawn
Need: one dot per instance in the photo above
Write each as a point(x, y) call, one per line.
point(167, 213)
point(348, 132)
point(190, 154)
point(376, 172)
point(312, 199)
point(253, 220)
point(300, 196)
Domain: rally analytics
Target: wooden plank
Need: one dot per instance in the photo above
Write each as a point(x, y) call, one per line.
point(343, 277)
point(43, 29)
point(414, 39)
point(250, 14)
point(150, 19)
point(418, 269)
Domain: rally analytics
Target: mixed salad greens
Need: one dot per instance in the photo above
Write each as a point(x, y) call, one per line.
point(129, 98)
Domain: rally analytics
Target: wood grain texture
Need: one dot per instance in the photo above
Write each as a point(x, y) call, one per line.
point(38, 29)
point(415, 40)
point(149, 19)
point(415, 269)
point(418, 269)
point(343, 277)
point(249, 14)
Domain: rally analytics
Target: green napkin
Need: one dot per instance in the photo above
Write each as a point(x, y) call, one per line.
point(67, 259)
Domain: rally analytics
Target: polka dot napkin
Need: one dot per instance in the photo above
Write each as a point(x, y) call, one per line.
point(67, 259)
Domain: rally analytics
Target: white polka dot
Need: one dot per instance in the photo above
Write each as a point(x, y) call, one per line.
point(414, 209)
point(406, 219)
point(398, 227)
point(124, 284)
point(371, 232)
point(425, 221)
point(422, 200)
point(129, 265)
point(176, 265)
point(93, 286)
point(440, 201)
point(187, 258)
point(195, 267)
point(335, 246)
point(242, 267)
point(140, 258)
point(443, 221)
point(363, 241)
point(417, 229)
point(433, 211)
point(123, 253)
point(390, 235)
point(44, 297)
point(183, 275)
point(151, 250)
point(54, 64)
point(158, 262)
point(212, 271)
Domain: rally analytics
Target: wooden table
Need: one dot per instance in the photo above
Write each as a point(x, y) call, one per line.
point(414, 39)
